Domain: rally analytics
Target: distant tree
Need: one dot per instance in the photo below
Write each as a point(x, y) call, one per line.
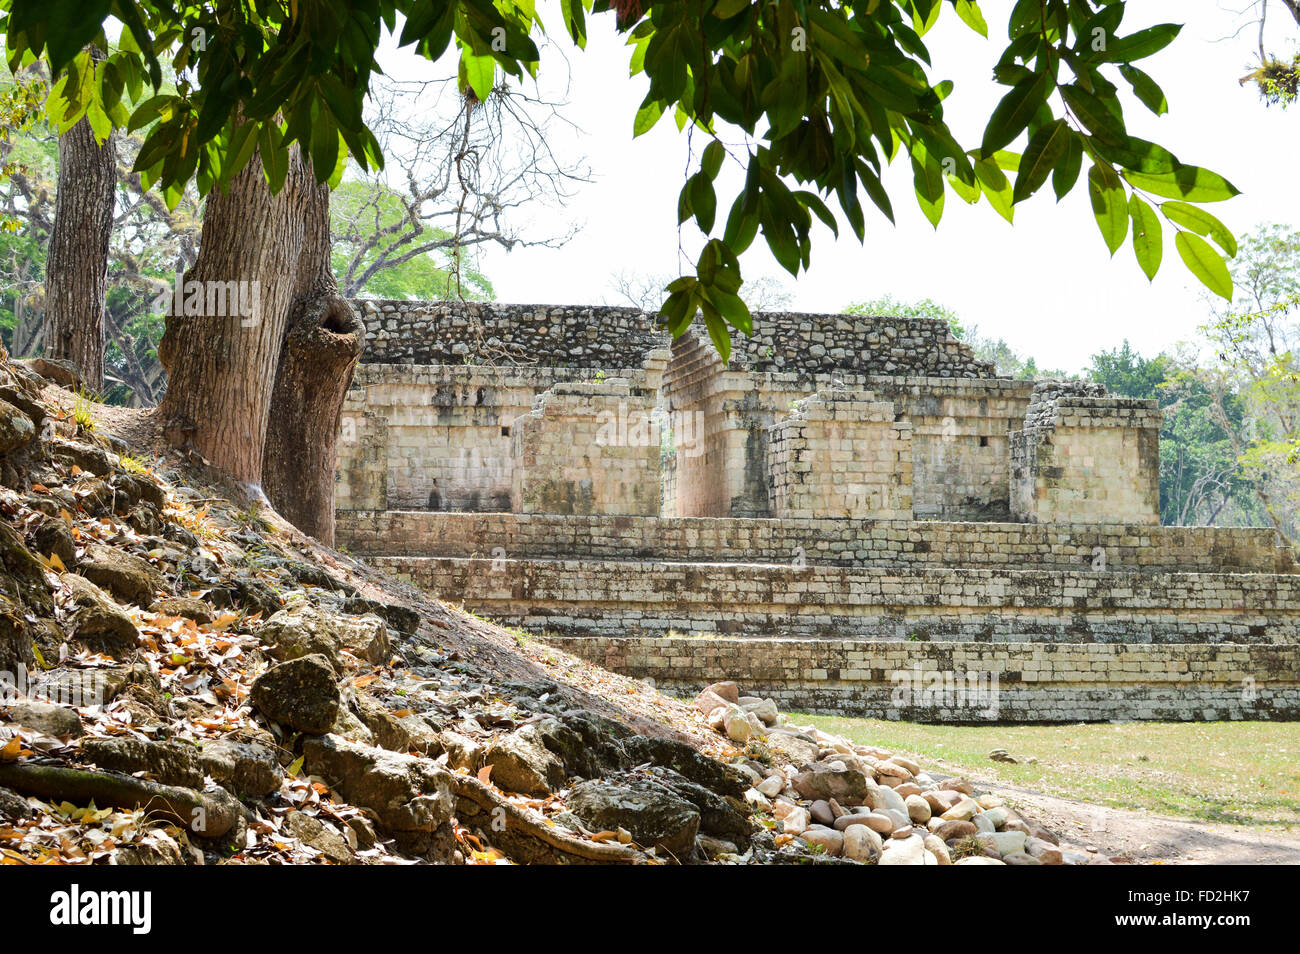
point(923, 308)
point(1200, 477)
point(1277, 78)
point(463, 174)
point(76, 275)
point(1127, 374)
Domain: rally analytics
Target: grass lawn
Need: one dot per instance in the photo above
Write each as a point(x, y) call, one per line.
point(1245, 773)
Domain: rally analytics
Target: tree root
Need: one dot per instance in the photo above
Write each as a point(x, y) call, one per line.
point(518, 832)
point(208, 815)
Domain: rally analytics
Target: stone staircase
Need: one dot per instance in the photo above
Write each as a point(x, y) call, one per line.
point(1075, 621)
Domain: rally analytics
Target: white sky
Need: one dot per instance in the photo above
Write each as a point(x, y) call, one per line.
point(1046, 284)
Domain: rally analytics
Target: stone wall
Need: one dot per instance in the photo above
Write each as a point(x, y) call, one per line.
point(972, 682)
point(495, 334)
point(898, 543)
point(878, 345)
point(1083, 457)
point(587, 448)
point(439, 438)
point(841, 454)
point(600, 598)
point(960, 433)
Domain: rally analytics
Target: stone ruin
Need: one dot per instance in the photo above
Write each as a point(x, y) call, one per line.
point(854, 514)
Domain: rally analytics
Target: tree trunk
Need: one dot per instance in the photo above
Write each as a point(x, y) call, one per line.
point(260, 399)
point(76, 277)
point(221, 365)
point(322, 343)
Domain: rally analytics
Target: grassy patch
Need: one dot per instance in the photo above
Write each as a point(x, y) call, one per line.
point(1245, 773)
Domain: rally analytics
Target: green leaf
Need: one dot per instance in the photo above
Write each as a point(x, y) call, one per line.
point(1201, 222)
point(1044, 151)
point(717, 332)
point(1108, 205)
point(1146, 89)
point(996, 187)
point(726, 9)
point(1138, 155)
point(1101, 121)
point(711, 161)
point(1147, 238)
point(1066, 173)
point(704, 202)
point(970, 14)
point(99, 122)
point(1141, 44)
point(1015, 111)
point(927, 176)
point(646, 117)
point(275, 157)
point(480, 73)
point(1205, 263)
point(1189, 183)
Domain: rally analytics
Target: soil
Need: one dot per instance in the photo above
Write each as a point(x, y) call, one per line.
point(1143, 838)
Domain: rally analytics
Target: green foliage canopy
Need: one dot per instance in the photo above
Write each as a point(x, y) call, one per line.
point(826, 93)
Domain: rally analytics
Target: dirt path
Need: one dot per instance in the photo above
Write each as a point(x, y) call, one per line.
point(1145, 838)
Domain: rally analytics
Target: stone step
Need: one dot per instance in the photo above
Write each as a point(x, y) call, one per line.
point(840, 542)
point(967, 682)
point(587, 597)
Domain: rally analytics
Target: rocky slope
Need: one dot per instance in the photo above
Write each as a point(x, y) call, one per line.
point(185, 679)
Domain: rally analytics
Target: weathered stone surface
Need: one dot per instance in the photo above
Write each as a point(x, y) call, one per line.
point(1004, 842)
point(127, 577)
point(904, 851)
point(16, 428)
point(185, 607)
point(918, 809)
point(366, 638)
point(830, 841)
point(652, 812)
point(301, 630)
point(54, 538)
point(387, 729)
point(955, 829)
point(819, 780)
point(862, 844)
point(522, 763)
point(96, 616)
point(687, 762)
point(245, 769)
point(13, 806)
point(172, 763)
point(53, 720)
point(302, 694)
point(313, 832)
point(406, 793)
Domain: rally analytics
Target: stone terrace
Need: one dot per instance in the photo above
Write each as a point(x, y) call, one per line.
point(847, 504)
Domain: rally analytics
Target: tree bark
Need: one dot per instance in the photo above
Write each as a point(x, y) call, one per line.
point(221, 365)
point(77, 265)
point(260, 399)
point(322, 342)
